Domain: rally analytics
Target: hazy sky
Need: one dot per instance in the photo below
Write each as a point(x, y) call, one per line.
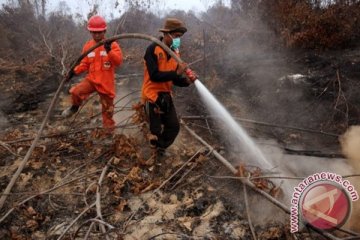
point(107, 7)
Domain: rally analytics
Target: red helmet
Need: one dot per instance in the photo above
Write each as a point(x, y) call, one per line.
point(96, 24)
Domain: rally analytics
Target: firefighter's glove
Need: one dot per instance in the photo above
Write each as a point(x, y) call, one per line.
point(191, 75)
point(70, 75)
point(107, 46)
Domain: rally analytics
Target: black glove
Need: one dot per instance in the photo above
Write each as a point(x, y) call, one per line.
point(69, 75)
point(107, 46)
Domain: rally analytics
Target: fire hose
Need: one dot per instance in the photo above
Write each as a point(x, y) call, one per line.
point(57, 94)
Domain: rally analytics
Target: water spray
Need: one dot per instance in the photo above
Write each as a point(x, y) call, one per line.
point(246, 143)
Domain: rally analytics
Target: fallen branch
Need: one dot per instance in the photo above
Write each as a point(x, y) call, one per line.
point(88, 231)
point(248, 213)
point(208, 126)
point(32, 147)
point(273, 177)
point(347, 231)
point(351, 238)
point(6, 146)
point(98, 196)
point(351, 175)
point(263, 124)
point(61, 134)
point(183, 176)
point(172, 233)
point(312, 153)
point(86, 191)
point(248, 183)
point(257, 177)
point(93, 221)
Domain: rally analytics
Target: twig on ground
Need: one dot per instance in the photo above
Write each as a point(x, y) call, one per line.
point(88, 231)
point(351, 238)
point(61, 134)
point(248, 213)
point(193, 180)
point(98, 196)
point(93, 221)
point(54, 205)
point(273, 177)
point(183, 176)
point(75, 220)
point(351, 175)
point(313, 153)
point(101, 222)
point(208, 126)
point(257, 177)
point(264, 124)
point(86, 191)
point(7, 147)
point(171, 233)
point(352, 233)
point(178, 170)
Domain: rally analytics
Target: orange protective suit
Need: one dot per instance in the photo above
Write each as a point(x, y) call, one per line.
point(159, 78)
point(164, 67)
point(100, 68)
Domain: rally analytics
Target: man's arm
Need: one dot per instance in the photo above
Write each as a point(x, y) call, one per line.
point(115, 54)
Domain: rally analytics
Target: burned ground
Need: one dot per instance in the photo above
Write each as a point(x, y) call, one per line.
point(63, 173)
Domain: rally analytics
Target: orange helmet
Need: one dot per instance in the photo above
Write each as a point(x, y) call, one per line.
point(96, 24)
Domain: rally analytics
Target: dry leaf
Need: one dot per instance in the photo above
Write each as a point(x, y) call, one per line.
point(32, 224)
point(31, 211)
point(121, 205)
point(134, 174)
point(36, 165)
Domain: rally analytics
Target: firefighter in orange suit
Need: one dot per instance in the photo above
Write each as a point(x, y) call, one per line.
point(160, 74)
point(100, 66)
